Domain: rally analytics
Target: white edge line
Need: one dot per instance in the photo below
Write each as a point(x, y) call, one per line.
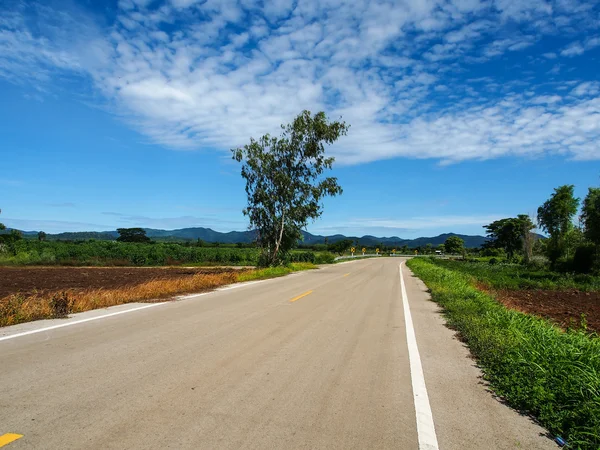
point(77, 322)
point(425, 426)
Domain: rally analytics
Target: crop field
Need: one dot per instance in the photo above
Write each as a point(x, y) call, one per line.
point(33, 293)
point(28, 252)
point(570, 301)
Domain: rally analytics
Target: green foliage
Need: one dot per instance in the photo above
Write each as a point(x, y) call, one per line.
point(517, 276)
point(132, 235)
point(590, 215)
point(324, 258)
point(509, 234)
point(340, 247)
point(302, 257)
point(95, 253)
point(584, 259)
point(454, 245)
point(536, 367)
point(41, 236)
point(284, 181)
point(555, 216)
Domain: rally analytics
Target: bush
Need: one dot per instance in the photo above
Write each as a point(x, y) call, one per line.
point(493, 261)
point(61, 305)
point(537, 262)
point(584, 259)
point(302, 257)
point(324, 258)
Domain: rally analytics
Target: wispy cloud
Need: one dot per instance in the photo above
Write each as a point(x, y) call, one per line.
point(191, 74)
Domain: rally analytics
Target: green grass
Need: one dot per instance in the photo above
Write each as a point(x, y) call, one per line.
point(272, 272)
point(536, 367)
point(516, 276)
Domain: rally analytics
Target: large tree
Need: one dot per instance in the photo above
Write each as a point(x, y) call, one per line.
point(454, 245)
point(132, 235)
point(340, 247)
point(555, 217)
point(527, 236)
point(510, 234)
point(590, 215)
point(285, 184)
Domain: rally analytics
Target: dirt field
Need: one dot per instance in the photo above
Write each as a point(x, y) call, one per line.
point(563, 307)
point(50, 279)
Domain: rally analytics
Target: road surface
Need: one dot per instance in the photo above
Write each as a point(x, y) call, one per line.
point(324, 359)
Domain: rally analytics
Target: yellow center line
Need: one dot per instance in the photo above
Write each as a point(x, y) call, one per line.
point(8, 438)
point(346, 274)
point(300, 296)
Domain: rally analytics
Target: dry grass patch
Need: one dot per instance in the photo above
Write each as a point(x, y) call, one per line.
point(17, 308)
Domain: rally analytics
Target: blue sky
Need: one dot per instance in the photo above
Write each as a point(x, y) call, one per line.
point(122, 113)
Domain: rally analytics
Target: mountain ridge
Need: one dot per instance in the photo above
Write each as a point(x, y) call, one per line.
point(232, 237)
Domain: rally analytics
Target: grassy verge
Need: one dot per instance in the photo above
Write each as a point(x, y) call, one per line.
point(536, 367)
point(516, 276)
point(272, 272)
point(16, 309)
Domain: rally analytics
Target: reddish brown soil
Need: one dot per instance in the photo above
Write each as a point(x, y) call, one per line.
point(26, 280)
point(562, 307)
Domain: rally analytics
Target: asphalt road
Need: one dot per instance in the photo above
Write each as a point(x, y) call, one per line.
point(317, 360)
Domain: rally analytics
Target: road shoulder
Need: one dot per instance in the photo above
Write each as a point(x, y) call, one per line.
point(465, 412)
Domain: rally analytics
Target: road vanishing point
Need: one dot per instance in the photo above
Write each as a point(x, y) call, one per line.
point(350, 356)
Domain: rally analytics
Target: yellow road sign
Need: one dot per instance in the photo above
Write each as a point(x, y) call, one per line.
point(364, 250)
point(352, 249)
point(394, 250)
point(376, 250)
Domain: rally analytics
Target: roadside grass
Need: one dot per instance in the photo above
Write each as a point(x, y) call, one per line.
point(516, 276)
point(535, 366)
point(17, 308)
point(273, 272)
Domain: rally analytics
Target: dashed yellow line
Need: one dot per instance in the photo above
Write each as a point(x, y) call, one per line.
point(300, 296)
point(8, 438)
point(346, 274)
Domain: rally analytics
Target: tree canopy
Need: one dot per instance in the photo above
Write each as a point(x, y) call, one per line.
point(340, 247)
point(510, 233)
point(454, 245)
point(132, 235)
point(285, 184)
point(555, 216)
point(590, 215)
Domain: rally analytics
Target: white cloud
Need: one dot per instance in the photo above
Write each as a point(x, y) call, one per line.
point(573, 49)
point(232, 70)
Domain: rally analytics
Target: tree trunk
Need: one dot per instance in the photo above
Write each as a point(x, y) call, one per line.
point(278, 243)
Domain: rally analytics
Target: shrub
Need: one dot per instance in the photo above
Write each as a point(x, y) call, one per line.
point(493, 261)
point(324, 258)
point(537, 262)
point(584, 259)
point(61, 305)
point(302, 257)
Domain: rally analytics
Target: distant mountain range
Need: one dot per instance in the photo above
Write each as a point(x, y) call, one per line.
point(208, 235)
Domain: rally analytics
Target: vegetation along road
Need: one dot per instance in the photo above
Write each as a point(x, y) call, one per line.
point(352, 355)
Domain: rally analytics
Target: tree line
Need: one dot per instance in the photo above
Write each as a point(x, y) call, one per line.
point(569, 246)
